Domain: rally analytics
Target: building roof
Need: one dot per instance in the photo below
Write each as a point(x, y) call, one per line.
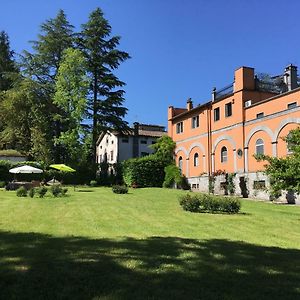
point(143, 130)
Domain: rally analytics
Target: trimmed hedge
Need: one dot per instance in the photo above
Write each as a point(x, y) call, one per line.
point(146, 171)
point(210, 203)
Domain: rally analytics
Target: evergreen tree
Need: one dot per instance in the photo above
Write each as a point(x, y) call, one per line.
point(42, 66)
point(100, 49)
point(7, 64)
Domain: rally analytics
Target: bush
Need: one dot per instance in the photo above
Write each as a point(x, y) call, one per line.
point(57, 190)
point(93, 183)
point(120, 189)
point(41, 191)
point(172, 176)
point(21, 192)
point(146, 171)
point(31, 192)
point(64, 191)
point(210, 203)
point(2, 184)
point(189, 203)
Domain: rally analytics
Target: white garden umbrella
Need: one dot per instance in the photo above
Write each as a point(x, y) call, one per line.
point(25, 169)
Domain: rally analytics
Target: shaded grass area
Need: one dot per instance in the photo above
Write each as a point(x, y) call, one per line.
point(37, 266)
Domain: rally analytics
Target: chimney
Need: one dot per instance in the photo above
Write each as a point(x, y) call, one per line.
point(290, 77)
point(189, 104)
point(213, 94)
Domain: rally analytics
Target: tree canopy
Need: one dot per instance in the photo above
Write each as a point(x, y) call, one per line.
point(285, 172)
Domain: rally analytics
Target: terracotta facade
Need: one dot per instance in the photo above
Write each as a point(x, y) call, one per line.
point(249, 116)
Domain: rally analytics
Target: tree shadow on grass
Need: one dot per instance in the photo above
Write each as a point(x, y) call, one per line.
point(36, 266)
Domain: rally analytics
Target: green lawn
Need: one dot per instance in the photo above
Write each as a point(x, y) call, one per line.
point(94, 244)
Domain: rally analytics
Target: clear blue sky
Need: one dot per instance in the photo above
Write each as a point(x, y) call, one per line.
point(179, 48)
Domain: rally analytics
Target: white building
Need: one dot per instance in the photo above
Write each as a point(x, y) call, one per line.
point(115, 147)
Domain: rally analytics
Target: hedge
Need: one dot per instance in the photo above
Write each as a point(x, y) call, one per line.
point(146, 171)
point(210, 203)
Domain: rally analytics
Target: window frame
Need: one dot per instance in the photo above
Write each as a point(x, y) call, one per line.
point(196, 159)
point(257, 145)
point(227, 105)
point(260, 115)
point(179, 127)
point(292, 105)
point(216, 114)
point(195, 122)
point(224, 154)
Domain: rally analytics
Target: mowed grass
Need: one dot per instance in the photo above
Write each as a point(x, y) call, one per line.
point(94, 244)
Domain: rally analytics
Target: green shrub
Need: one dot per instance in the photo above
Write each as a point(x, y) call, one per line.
point(146, 171)
point(21, 192)
point(93, 183)
point(184, 184)
point(41, 191)
point(172, 176)
point(189, 202)
point(31, 192)
point(120, 189)
point(2, 184)
point(210, 203)
point(56, 190)
point(64, 191)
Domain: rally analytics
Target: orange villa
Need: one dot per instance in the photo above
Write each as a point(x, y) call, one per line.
point(249, 116)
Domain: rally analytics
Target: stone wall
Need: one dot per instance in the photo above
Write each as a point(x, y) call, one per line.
point(248, 185)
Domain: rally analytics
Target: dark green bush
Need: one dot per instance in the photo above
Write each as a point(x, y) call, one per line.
point(56, 190)
point(64, 191)
point(31, 192)
point(120, 189)
point(172, 176)
point(41, 191)
point(2, 184)
point(210, 203)
point(21, 192)
point(146, 171)
point(189, 202)
point(93, 183)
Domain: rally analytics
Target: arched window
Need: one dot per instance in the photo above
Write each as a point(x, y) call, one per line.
point(224, 154)
point(196, 160)
point(259, 146)
point(180, 163)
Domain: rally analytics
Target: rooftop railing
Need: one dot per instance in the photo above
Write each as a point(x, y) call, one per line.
point(227, 90)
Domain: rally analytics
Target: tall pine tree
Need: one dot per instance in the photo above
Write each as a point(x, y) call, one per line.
point(8, 66)
point(106, 108)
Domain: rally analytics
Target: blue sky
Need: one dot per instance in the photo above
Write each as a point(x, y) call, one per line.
point(179, 48)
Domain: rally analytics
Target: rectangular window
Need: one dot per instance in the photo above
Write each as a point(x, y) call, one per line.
point(100, 158)
point(217, 114)
point(228, 109)
point(125, 141)
point(195, 122)
point(143, 142)
point(259, 184)
point(179, 127)
point(111, 155)
point(260, 115)
point(292, 105)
